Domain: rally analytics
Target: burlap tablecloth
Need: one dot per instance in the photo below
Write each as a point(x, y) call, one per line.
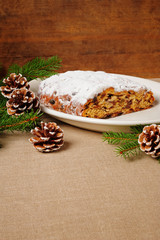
point(81, 192)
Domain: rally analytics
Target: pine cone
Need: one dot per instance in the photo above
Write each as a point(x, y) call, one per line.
point(48, 138)
point(149, 140)
point(13, 82)
point(22, 100)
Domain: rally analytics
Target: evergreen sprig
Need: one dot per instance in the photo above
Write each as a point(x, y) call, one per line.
point(37, 68)
point(128, 142)
point(137, 129)
point(3, 101)
point(129, 149)
point(118, 137)
point(24, 122)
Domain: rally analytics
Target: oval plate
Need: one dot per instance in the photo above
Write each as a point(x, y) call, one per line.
point(120, 123)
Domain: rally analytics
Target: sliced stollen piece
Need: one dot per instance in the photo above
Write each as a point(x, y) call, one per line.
point(94, 94)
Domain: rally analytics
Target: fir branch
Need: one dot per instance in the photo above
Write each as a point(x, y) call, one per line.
point(137, 129)
point(128, 142)
point(24, 122)
point(119, 137)
point(37, 68)
point(1, 80)
point(3, 101)
point(14, 68)
point(128, 150)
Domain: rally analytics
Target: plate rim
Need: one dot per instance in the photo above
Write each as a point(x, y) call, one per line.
point(70, 117)
point(111, 121)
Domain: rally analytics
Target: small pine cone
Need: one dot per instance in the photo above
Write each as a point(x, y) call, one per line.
point(48, 138)
point(149, 140)
point(22, 100)
point(13, 82)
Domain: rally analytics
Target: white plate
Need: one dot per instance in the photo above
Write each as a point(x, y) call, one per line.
point(120, 123)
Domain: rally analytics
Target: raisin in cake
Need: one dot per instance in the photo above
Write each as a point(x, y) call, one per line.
point(94, 94)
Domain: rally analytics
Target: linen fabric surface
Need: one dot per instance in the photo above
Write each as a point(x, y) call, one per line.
point(83, 191)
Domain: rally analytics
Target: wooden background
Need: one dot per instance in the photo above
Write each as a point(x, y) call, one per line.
point(120, 36)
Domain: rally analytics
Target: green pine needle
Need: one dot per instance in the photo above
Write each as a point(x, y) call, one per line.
point(37, 68)
point(119, 137)
point(137, 129)
point(128, 150)
point(14, 68)
point(24, 122)
point(128, 142)
point(3, 101)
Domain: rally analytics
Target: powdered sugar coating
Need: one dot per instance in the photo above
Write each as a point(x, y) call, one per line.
point(84, 85)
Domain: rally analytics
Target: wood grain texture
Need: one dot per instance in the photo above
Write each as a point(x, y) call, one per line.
point(111, 35)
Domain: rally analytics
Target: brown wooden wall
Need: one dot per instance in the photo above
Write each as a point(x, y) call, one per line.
point(120, 36)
